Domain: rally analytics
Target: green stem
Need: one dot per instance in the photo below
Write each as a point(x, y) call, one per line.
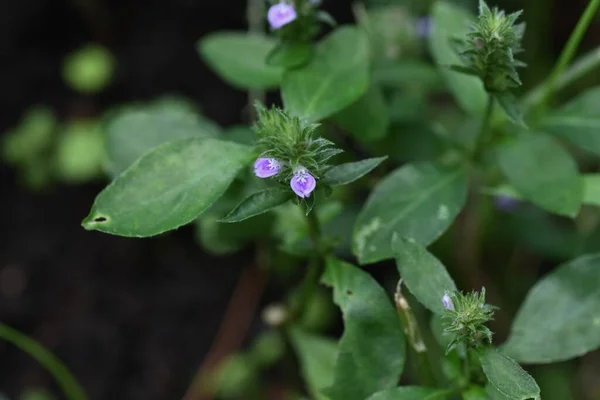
point(578, 69)
point(571, 47)
point(67, 382)
point(255, 14)
point(467, 367)
point(313, 273)
point(482, 139)
point(415, 338)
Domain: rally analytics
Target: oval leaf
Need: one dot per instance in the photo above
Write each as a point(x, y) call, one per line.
point(344, 174)
point(507, 376)
point(412, 393)
point(450, 21)
point(417, 201)
point(168, 187)
point(560, 318)
point(131, 132)
point(367, 119)
point(336, 77)
point(424, 275)
point(258, 203)
point(317, 357)
point(577, 122)
point(372, 348)
point(240, 59)
point(290, 55)
point(542, 172)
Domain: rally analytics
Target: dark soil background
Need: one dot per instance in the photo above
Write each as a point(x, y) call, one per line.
point(132, 318)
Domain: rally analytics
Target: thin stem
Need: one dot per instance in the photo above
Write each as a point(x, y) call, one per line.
point(467, 366)
point(578, 69)
point(313, 273)
point(572, 45)
point(415, 338)
point(482, 139)
point(255, 13)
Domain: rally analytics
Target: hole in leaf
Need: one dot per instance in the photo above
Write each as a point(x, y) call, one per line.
point(100, 219)
point(349, 292)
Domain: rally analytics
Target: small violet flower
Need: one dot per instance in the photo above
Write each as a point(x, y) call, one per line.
point(424, 26)
point(281, 14)
point(505, 203)
point(303, 183)
point(266, 167)
point(447, 302)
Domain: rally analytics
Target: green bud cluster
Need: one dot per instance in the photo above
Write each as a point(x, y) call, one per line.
point(465, 320)
point(489, 50)
point(292, 141)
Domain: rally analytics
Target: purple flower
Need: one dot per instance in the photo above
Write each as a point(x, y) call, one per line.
point(424, 26)
point(266, 167)
point(505, 203)
point(303, 183)
point(281, 14)
point(447, 302)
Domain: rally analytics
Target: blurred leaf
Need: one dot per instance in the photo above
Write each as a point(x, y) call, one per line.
point(240, 59)
point(408, 74)
point(367, 119)
point(31, 137)
point(560, 318)
point(80, 151)
point(89, 69)
point(414, 141)
point(317, 357)
point(240, 134)
point(35, 394)
point(556, 381)
point(64, 378)
point(133, 131)
point(268, 348)
point(168, 187)
point(451, 21)
point(416, 201)
point(343, 174)
point(412, 393)
point(336, 77)
point(423, 274)
point(542, 172)
point(510, 104)
point(290, 55)
point(507, 376)
point(236, 376)
point(475, 393)
point(577, 122)
point(372, 349)
point(258, 203)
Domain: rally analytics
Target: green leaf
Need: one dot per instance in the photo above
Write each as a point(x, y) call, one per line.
point(133, 131)
point(424, 275)
point(258, 203)
point(560, 318)
point(290, 55)
point(67, 382)
point(240, 59)
point(317, 357)
point(346, 173)
point(507, 376)
point(542, 172)
point(510, 104)
point(412, 393)
point(372, 348)
point(577, 122)
point(408, 74)
point(367, 119)
point(417, 201)
point(168, 187)
point(336, 77)
point(452, 21)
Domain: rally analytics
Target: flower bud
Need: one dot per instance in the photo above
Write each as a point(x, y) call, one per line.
point(447, 302)
point(266, 167)
point(303, 183)
point(281, 14)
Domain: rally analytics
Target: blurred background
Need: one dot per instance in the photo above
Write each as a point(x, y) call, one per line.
point(135, 319)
